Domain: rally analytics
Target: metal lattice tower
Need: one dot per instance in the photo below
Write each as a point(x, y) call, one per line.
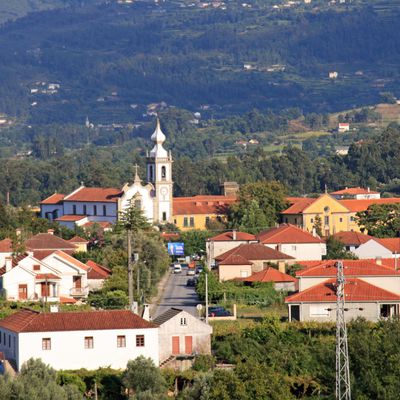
point(343, 391)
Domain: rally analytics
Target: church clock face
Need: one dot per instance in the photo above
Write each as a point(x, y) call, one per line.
point(164, 191)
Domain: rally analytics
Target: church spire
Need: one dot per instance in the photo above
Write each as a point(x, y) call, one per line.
point(137, 179)
point(158, 138)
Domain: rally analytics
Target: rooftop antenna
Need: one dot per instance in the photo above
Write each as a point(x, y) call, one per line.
point(343, 390)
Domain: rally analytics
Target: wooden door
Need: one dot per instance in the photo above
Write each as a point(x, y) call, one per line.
point(188, 344)
point(175, 345)
point(45, 289)
point(22, 292)
point(77, 282)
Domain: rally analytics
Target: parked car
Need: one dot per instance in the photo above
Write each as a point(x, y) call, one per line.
point(218, 312)
point(177, 269)
point(191, 272)
point(191, 282)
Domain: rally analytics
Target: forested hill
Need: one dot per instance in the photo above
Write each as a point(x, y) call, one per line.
point(109, 61)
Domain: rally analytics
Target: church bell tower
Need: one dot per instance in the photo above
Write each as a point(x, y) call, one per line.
point(159, 174)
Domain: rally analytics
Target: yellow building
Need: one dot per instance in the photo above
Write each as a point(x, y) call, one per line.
point(335, 215)
point(195, 212)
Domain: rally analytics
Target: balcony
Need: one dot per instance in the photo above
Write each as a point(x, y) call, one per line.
point(79, 291)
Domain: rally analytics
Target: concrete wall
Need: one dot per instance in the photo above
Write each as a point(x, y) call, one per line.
point(200, 332)
point(68, 351)
point(301, 251)
point(372, 249)
point(286, 286)
point(226, 272)
point(50, 208)
point(216, 248)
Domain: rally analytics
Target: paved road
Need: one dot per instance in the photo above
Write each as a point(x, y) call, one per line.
point(177, 294)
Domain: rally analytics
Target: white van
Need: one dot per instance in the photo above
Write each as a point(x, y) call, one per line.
point(177, 268)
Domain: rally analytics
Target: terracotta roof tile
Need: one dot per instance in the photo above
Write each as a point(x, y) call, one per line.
point(101, 224)
point(269, 274)
point(55, 198)
point(202, 205)
point(67, 300)
point(71, 260)
point(48, 241)
point(355, 290)
point(351, 268)
point(287, 233)
point(228, 237)
point(77, 239)
point(31, 321)
point(235, 259)
point(97, 271)
point(70, 218)
point(299, 206)
point(6, 246)
point(254, 251)
point(393, 244)
point(362, 205)
point(355, 191)
point(352, 238)
point(103, 195)
point(46, 276)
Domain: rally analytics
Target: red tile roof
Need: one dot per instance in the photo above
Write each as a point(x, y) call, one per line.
point(354, 191)
point(351, 268)
point(352, 238)
point(287, 233)
point(32, 321)
point(299, 206)
point(48, 241)
point(71, 260)
point(362, 205)
point(355, 290)
point(235, 259)
point(77, 239)
point(6, 246)
point(103, 195)
point(254, 251)
point(101, 224)
point(228, 237)
point(269, 274)
point(393, 244)
point(70, 218)
point(97, 271)
point(55, 198)
point(46, 276)
point(67, 300)
point(202, 205)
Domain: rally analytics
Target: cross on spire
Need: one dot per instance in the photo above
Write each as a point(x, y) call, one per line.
point(136, 168)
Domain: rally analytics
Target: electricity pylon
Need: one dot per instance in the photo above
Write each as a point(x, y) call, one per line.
point(343, 390)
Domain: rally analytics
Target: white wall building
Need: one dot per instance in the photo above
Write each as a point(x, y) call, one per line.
point(74, 340)
point(104, 204)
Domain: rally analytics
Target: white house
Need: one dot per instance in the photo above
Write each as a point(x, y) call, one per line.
point(6, 250)
point(181, 333)
point(86, 205)
point(295, 242)
point(372, 249)
point(357, 193)
point(74, 340)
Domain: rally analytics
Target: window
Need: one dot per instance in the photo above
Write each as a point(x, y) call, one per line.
point(138, 203)
point(318, 311)
point(244, 274)
point(46, 344)
point(94, 210)
point(295, 221)
point(121, 341)
point(312, 220)
point(88, 342)
point(139, 340)
point(294, 248)
point(175, 221)
point(84, 209)
point(9, 340)
point(151, 174)
point(192, 221)
point(207, 220)
point(185, 221)
point(163, 173)
point(326, 219)
point(340, 219)
point(183, 321)
point(4, 337)
point(74, 209)
point(36, 267)
point(286, 220)
point(104, 210)
point(351, 218)
point(326, 209)
point(164, 216)
point(0, 337)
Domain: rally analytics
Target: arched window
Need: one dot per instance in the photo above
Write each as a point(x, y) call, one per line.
point(138, 203)
point(151, 173)
point(163, 173)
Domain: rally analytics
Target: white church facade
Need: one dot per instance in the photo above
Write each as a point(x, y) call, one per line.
point(103, 205)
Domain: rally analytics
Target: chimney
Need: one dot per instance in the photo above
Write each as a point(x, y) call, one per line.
point(50, 231)
point(378, 260)
point(8, 263)
point(146, 312)
point(234, 234)
point(368, 189)
point(282, 267)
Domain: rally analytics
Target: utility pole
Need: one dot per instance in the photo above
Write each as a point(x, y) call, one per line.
point(136, 259)
point(206, 272)
point(130, 269)
point(343, 390)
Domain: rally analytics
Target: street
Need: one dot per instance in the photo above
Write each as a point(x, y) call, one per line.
point(177, 294)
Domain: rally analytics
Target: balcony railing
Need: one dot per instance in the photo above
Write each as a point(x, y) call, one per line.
point(79, 292)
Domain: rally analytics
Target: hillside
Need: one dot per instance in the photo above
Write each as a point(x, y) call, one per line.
point(113, 61)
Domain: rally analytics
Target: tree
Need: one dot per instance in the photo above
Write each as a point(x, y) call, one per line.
point(380, 220)
point(318, 225)
point(335, 250)
point(143, 379)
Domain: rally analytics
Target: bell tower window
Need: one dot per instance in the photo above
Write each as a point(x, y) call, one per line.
point(163, 173)
point(151, 173)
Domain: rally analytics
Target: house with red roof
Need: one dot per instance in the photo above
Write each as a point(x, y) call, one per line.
point(280, 280)
point(96, 275)
point(74, 340)
point(294, 241)
point(370, 271)
point(6, 250)
point(362, 299)
point(356, 193)
point(225, 241)
point(246, 259)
